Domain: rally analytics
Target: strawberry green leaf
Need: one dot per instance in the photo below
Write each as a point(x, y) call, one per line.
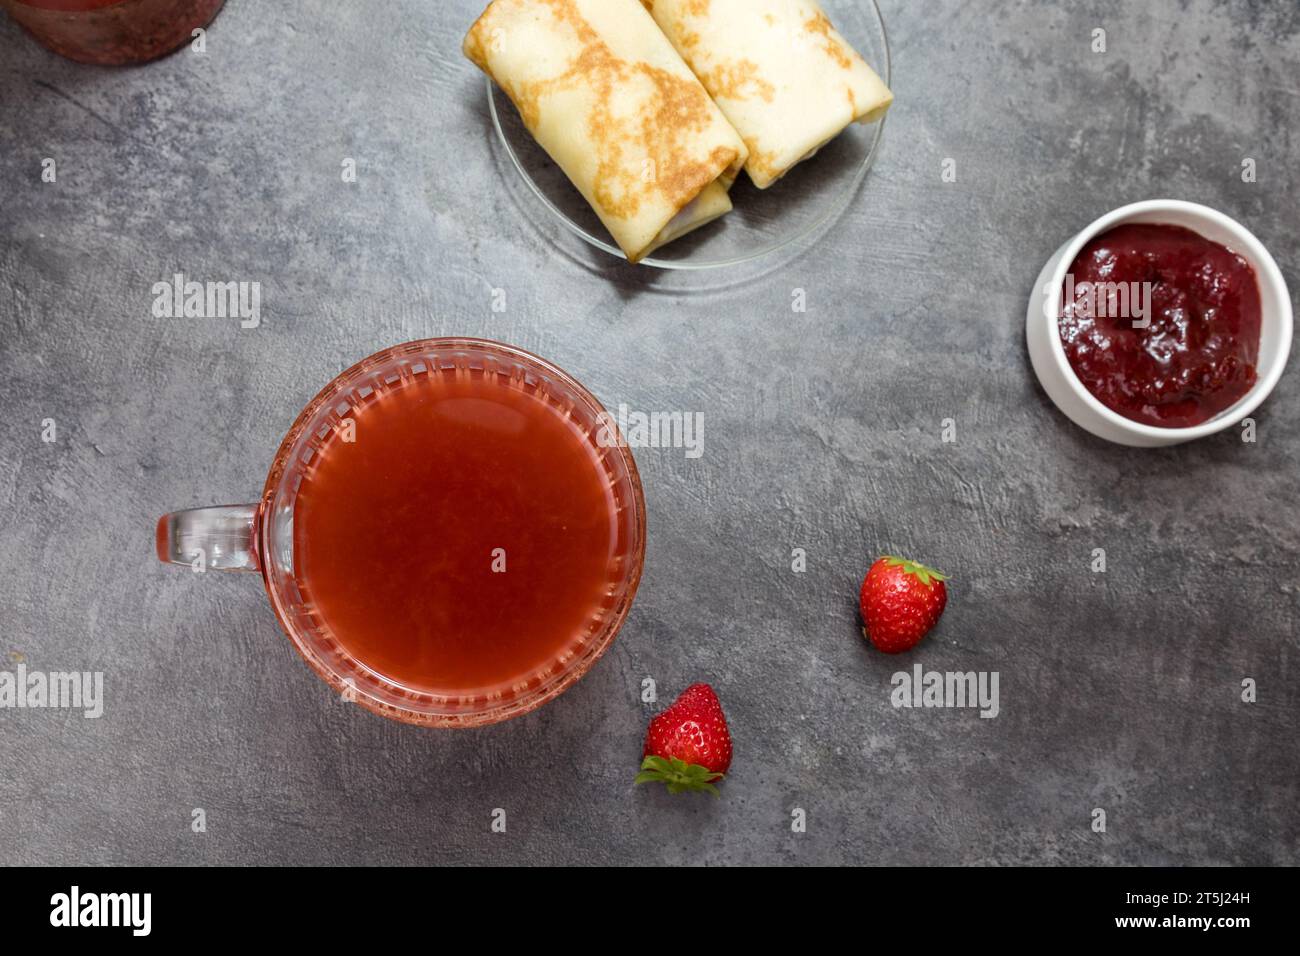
point(919, 571)
point(678, 775)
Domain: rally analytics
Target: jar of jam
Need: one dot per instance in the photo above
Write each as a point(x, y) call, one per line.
point(112, 32)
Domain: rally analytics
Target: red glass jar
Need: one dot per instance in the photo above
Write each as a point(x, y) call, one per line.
point(112, 32)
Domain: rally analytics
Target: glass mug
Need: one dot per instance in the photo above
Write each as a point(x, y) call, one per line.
point(112, 32)
point(451, 533)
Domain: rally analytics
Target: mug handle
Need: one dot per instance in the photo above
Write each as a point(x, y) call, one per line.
point(221, 538)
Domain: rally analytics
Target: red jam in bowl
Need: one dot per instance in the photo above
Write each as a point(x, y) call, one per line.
point(1160, 324)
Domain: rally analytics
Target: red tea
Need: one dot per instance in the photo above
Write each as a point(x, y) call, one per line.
point(461, 536)
point(113, 32)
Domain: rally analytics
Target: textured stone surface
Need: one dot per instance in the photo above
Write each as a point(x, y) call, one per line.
point(1118, 690)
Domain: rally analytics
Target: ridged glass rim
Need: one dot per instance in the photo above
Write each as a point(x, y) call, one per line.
point(390, 705)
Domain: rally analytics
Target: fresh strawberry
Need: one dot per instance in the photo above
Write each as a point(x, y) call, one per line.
point(688, 746)
point(901, 601)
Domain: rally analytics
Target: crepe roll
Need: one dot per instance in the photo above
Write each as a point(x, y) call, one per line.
point(605, 94)
point(781, 73)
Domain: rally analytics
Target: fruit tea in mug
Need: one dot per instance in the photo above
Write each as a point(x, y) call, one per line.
point(113, 32)
point(451, 533)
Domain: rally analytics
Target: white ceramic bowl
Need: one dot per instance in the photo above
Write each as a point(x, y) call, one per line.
point(1081, 406)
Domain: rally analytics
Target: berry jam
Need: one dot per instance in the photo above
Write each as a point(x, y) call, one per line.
point(1163, 325)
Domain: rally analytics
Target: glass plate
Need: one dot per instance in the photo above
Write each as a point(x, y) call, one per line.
point(809, 197)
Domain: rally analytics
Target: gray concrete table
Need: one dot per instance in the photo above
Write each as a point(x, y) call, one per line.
point(1119, 691)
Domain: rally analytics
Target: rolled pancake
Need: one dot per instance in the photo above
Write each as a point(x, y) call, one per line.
point(609, 99)
point(781, 73)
